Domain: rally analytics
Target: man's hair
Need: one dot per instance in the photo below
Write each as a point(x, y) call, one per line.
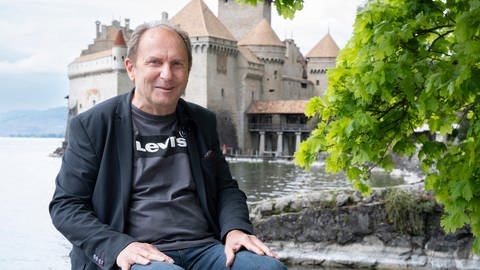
point(137, 34)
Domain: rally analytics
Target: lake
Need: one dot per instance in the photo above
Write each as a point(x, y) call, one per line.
point(29, 240)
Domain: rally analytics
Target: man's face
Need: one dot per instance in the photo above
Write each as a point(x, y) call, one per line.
point(160, 72)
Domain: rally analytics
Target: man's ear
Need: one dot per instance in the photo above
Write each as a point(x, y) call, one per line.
point(129, 65)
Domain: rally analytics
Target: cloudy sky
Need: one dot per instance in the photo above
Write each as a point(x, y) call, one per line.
point(38, 38)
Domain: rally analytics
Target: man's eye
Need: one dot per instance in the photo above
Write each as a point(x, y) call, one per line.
point(154, 62)
point(178, 64)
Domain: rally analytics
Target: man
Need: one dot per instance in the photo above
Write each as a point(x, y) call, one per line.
point(143, 183)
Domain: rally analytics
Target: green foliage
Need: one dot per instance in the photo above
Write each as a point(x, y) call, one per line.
point(286, 8)
point(409, 63)
point(407, 212)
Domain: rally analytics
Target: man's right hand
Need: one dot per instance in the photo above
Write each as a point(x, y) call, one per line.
point(140, 253)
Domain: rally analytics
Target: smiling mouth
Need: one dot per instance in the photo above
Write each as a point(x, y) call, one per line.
point(164, 88)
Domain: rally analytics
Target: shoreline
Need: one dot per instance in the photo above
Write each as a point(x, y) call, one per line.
point(343, 229)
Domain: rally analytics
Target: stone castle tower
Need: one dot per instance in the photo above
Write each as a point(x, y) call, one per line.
point(99, 72)
point(320, 58)
point(257, 84)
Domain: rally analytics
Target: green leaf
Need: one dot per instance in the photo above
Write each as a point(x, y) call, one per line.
point(454, 220)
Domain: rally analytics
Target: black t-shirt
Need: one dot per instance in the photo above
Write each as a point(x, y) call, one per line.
point(164, 206)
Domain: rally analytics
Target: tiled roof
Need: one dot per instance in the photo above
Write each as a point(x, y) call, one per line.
point(326, 47)
point(249, 55)
point(262, 34)
point(199, 21)
point(278, 107)
point(93, 56)
point(112, 32)
point(119, 40)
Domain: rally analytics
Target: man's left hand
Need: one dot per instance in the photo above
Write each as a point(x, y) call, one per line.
point(237, 239)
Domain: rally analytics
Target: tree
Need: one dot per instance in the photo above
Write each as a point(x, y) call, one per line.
point(409, 63)
point(286, 8)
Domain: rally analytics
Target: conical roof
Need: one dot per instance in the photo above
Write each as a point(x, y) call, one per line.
point(326, 47)
point(262, 34)
point(119, 40)
point(199, 21)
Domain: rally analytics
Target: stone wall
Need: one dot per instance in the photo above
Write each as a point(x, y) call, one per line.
point(342, 228)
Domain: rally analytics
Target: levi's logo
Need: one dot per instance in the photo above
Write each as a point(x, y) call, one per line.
point(149, 146)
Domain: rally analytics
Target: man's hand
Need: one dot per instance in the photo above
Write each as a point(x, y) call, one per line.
point(236, 239)
point(140, 253)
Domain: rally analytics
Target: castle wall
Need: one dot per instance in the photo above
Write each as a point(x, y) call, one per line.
point(86, 91)
point(196, 90)
point(224, 96)
point(250, 86)
point(317, 69)
point(124, 84)
point(295, 64)
point(296, 88)
point(84, 68)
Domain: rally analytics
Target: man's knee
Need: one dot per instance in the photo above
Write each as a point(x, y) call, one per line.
point(249, 260)
point(156, 266)
point(274, 264)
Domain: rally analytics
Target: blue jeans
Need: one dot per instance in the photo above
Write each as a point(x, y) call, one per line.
point(212, 257)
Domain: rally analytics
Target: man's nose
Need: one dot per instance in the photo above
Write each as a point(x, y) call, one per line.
point(166, 71)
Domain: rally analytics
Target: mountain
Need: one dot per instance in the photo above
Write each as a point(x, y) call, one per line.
point(34, 123)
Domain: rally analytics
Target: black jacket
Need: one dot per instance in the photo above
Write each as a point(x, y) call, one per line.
point(93, 186)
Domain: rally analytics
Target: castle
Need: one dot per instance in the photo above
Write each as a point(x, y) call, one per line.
point(257, 84)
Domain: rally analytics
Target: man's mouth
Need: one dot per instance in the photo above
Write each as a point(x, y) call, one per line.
point(164, 88)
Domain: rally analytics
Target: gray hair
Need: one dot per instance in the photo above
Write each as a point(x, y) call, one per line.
point(137, 34)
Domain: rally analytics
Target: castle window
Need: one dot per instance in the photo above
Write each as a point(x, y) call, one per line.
point(271, 90)
point(114, 58)
point(317, 82)
point(275, 74)
point(223, 92)
point(304, 85)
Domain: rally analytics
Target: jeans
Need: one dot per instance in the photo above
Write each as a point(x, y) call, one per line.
point(212, 257)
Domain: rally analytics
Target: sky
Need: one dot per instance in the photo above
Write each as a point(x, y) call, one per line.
point(39, 38)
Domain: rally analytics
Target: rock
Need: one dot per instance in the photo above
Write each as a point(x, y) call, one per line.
point(333, 228)
point(342, 200)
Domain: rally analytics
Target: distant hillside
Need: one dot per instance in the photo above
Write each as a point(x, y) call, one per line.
point(34, 123)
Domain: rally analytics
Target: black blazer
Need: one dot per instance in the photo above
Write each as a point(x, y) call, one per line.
point(93, 186)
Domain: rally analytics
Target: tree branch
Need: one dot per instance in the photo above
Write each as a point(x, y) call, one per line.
point(438, 38)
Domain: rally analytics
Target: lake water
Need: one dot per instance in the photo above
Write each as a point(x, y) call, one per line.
point(267, 179)
point(29, 240)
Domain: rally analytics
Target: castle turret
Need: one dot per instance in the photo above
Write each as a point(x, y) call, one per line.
point(97, 29)
point(265, 44)
point(319, 59)
point(119, 52)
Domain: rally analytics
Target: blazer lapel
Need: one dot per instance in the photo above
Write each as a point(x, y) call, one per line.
point(124, 133)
